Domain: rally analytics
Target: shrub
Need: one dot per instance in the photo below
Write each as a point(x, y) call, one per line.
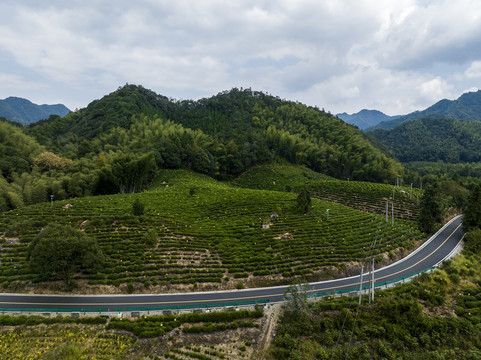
point(151, 238)
point(130, 287)
point(473, 241)
point(138, 207)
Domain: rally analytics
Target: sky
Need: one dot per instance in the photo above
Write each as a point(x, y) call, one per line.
point(340, 55)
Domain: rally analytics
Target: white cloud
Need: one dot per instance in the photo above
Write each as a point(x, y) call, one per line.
point(15, 83)
point(434, 89)
point(340, 55)
point(474, 71)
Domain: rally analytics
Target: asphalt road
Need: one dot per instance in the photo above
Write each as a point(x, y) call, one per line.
point(429, 255)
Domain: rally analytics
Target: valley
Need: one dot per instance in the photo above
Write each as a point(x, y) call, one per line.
point(236, 192)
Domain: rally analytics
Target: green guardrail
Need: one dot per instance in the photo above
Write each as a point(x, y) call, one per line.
point(146, 309)
point(356, 289)
point(31, 310)
point(207, 307)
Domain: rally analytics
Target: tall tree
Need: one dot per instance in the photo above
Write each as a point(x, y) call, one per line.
point(60, 251)
point(472, 211)
point(430, 210)
point(304, 201)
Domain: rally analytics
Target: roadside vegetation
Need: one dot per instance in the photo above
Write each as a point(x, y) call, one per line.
point(437, 316)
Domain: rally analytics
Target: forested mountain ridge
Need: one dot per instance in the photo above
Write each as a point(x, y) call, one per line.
point(25, 112)
point(99, 117)
point(466, 107)
point(434, 139)
point(117, 144)
point(240, 128)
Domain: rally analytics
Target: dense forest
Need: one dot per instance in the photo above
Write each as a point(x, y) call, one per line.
point(434, 139)
point(246, 128)
point(117, 143)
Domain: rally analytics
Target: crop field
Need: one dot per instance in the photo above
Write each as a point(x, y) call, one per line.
point(365, 196)
point(205, 232)
point(278, 177)
point(370, 197)
point(55, 341)
point(39, 337)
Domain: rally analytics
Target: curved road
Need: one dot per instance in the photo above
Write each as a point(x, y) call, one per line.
point(434, 251)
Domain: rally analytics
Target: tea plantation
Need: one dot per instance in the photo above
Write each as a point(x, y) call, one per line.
point(365, 196)
point(196, 230)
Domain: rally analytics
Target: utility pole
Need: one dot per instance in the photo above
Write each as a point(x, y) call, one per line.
point(411, 196)
point(369, 283)
point(372, 282)
point(360, 286)
point(392, 213)
point(387, 210)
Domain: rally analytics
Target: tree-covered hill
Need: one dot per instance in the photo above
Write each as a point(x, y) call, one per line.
point(17, 150)
point(25, 112)
point(99, 117)
point(434, 139)
point(234, 130)
point(117, 144)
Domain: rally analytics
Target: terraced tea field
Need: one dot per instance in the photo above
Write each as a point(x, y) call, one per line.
point(370, 197)
point(278, 177)
point(206, 233)
point(359, 195)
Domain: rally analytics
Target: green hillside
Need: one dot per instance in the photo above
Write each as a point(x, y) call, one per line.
point(279, 177)
point(434, 139)
point(205, 232)
point(118, 143)
point(240, 129)
point(359, 195)
point(30, 174)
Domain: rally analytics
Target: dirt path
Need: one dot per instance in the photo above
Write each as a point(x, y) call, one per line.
point(268, 332)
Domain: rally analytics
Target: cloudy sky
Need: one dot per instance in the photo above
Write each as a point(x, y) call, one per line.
point(341, 55)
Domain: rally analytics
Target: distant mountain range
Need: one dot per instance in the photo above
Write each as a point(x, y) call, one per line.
point(25, 112)
point(466, 107)
point(366, 118)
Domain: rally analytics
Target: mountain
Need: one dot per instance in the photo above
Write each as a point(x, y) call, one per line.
point(25, 112)
point(365, 118)
point(466, 107)
point(433, 139)
point(227, 134)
